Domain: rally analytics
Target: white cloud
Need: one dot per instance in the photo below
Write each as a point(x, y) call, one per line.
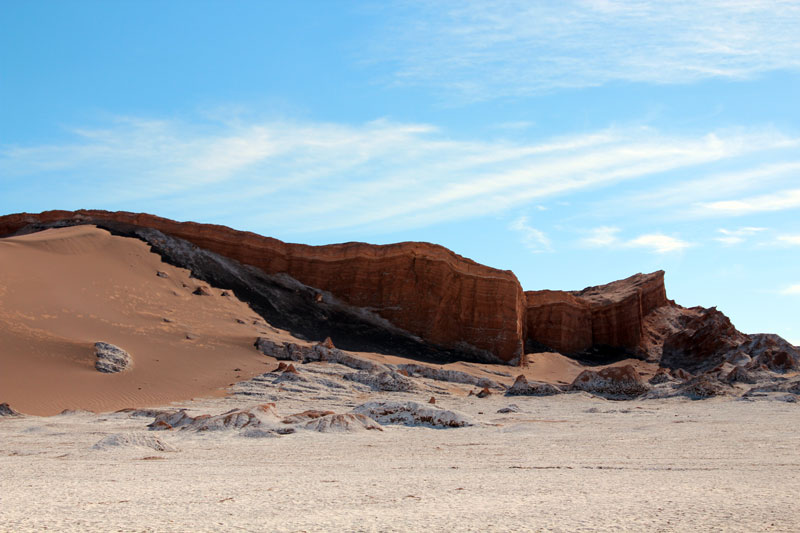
point(658, 243)
point(787, 199)
point(737, 236)
point(791, 289)
point(607, 237)
point(300, 177)
point(602, 236)
point(791, 240)
point(533, 239)
point(483, 50)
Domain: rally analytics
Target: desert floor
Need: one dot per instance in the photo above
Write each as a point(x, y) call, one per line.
point(564, 463)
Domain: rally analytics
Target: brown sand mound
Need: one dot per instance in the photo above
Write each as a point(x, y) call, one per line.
point(62, 290)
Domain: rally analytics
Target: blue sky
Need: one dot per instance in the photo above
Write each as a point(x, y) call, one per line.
point(572, 142)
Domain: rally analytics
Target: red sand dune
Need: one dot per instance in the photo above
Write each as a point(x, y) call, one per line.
point(61, 290)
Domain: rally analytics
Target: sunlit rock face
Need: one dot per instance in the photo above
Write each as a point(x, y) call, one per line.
point(611, 315)
point(425, 289)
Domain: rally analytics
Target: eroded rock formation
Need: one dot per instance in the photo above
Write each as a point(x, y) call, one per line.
point(607, 316)
point(422, 288)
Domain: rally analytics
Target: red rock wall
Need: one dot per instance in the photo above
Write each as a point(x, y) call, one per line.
point(423, 288)
point(559, 319)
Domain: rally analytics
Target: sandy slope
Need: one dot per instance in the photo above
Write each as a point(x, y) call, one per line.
point(63, 289)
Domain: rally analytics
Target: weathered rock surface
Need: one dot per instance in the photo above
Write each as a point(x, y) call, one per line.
point(771, 351)
point(342, 423)
point(134, 440)
point(610, 315)
point(710, 340)
point(558, 320)
point(110, 358)
point(383, 381)
point(422, 288)
point(703, 386)
point(413, 414)
point(320, 352)
point(453, 376)
point(522, 387)
point(703, 344)
point(614, 382)
point(6, 410)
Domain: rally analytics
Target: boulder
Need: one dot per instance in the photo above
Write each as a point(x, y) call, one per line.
point(413, 414)
point(740, 374)
point(522, 387)
point(662, 376)
point(702, 387)
point(383, 381)
point(133, 440)
point(6, 410)
point(111, 359)
point(342, 423)
point(615, 382)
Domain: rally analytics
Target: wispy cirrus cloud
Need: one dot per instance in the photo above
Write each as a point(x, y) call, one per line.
point(533, 239)
point(777, 201)
point(791, 289)
point(608, 237)
point(302, 177)
point(736, 236)
point(482, 50)
point(789, 240)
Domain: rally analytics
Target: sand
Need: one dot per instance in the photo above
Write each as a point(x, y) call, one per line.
point(569, 463)
point(61, 290)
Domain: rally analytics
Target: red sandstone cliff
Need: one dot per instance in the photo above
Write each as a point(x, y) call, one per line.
point(423, 288)
point(611, 315)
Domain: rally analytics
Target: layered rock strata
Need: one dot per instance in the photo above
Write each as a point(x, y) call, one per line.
point(425, 289)
point(611, 315)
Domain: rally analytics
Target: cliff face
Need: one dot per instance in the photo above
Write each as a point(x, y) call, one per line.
point(558, 320)
point(422, 288)
point(611, 315)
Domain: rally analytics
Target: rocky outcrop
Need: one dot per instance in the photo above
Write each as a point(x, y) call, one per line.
point(522, 387)
point(710, 339)
point(619, 382)
point(413, 414)
point(771, 351)
point(342, 423)
point(6, 410)
point(703, 344)
point(111, 359)
point(605, 316)
point(422, 288)
point(133, 440)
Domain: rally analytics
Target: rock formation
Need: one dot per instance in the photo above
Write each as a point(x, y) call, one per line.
point(605, 316)
point(111, 359)
point(424, 289)
point(522, 387)
point(424, 301)
point(615, 382)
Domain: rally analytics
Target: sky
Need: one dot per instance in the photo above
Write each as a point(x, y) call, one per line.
point(573, 142)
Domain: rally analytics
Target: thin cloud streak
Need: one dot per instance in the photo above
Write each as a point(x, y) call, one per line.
point(533, 239)
point(659, 243)
point(301, 177)
point(481, 51)
point(787, 199)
